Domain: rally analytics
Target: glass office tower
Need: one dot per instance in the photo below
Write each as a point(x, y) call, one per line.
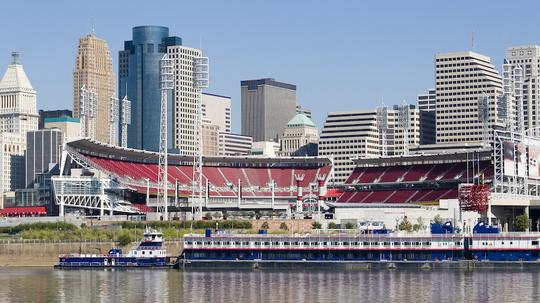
point(138, 78)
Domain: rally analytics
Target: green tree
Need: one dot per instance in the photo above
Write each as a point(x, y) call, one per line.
point(124, 239)
point(405, 224)
point(438, 219)
point(350, 225)
point(332, 225)
point(265, 225)
point(316, 225)
point(522, 222)
point(283, 226)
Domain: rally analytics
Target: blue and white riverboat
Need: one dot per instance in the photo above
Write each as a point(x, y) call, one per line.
point(149, 253)
point(442, 243)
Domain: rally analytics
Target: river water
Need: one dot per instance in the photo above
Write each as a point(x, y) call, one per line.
point(48, 285)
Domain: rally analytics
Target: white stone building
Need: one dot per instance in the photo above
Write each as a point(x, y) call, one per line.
point(18, 112)
point(299, 138)
point(528, 58)
point(218, 109)
point(355, 134)
point(18, 115)
point(185, 99)
point(461, 78)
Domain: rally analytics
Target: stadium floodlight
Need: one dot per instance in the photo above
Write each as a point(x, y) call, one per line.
point(125, 120)
point(200, 80)
point(404, 119)
point(483, 116)
point(518, 96)
point(382, 126)
point(166, 65)
point(113, 119)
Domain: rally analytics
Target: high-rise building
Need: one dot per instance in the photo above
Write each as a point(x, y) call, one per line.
point(18, 111)
point(60, 113)
point(70, 127)
point(528, 58)
point(18, 115)
point(234, 144)
point(356, 134)
point(267, 106)
point(461, 79)
point(43, 151)
point(218, 109)
point(300, 137)
point(303, 110)
point(210, 138)
point(12, 148)
point(427, 108)
point(94, 71)
point(185, 100)
point(138, 74)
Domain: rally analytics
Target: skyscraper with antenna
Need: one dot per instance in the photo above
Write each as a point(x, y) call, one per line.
point(94, 84)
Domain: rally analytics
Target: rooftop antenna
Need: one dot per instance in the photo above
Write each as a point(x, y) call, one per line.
point(15, 57)
point(472, 41)
point(93, 26)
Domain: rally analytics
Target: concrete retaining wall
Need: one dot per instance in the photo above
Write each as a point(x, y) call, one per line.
point(36, 253)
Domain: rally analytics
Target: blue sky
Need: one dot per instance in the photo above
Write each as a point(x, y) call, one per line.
point(341, 54)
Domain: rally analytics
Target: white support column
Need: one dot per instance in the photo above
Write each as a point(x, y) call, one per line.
point(239, 193)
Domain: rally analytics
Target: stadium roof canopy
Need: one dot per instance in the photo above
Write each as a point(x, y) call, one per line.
point(88, 147)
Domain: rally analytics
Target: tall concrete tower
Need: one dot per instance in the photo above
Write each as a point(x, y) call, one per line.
point(18, 115)
point(17, 100)
point(94, 71)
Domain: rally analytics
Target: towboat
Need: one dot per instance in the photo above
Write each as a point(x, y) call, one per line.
point(150, 252)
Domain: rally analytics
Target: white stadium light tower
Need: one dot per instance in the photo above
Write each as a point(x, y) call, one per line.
point(200, 81)
point(166, 80)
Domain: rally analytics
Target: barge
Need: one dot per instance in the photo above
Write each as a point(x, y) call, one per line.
point(150, 252)
point(442, 245)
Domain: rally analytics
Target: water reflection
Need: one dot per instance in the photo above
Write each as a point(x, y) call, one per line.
point(45, 285)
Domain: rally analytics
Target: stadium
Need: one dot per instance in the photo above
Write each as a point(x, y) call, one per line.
point(497, 182)
point(100, 177)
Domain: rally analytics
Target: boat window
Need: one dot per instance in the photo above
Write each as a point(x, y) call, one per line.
point(534, 242)
point(296, 243)
point(346, 243)
point(510, 242)
point(237, 243)
point(150, 252)
point(275, 243)
point(365, 243)
point(246, 243)
point(189, 243)
point(286, 243)
point(267, 243)
point(257, 243)
point(143, 252)
point(397, 243)
point(386, 243)
point(406, 243)
point(427, 243)
point(375, 243)
point(198, 243)
point(306, 243)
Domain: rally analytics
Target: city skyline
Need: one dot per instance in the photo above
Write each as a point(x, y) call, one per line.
point(280, 45)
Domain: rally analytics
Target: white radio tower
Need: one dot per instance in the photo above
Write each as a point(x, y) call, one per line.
point(200, 81)
point(166, 66)
point(125, 120)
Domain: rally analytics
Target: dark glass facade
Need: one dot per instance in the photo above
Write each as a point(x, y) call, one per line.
point(138, 78)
